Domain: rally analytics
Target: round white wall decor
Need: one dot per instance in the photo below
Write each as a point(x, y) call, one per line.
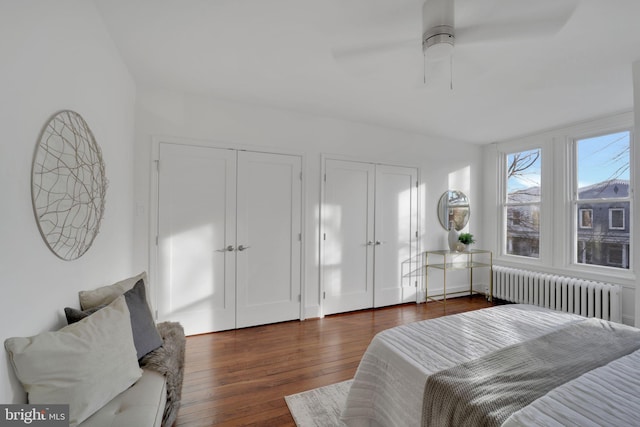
point(68, 185)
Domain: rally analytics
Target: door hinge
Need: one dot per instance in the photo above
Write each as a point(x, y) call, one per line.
point(325, 177)
point(417, 184)
point(157, 165)
point(157, 240)
point(299, 298)
point(299, 237)
point(416, 285)
point(324, 295)
point(300, 176)
point(416, 234)
point(324, 236)
point(156, 314)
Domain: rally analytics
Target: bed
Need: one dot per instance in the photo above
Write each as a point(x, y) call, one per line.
point(389, 386)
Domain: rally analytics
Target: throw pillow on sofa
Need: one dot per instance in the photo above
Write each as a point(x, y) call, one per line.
point(84, 365)
point(105, 294)
point(74, 315)
point(145, 334)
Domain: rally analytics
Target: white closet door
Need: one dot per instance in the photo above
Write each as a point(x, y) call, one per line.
point(395, 233)
point(196, 223)
point(269, 227)
point(347, 218)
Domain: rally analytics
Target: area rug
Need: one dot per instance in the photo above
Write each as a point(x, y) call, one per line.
point(320, 407)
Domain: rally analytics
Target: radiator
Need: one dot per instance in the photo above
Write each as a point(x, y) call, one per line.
point(584, 297)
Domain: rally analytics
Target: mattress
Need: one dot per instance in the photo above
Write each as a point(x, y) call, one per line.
point(389, 384)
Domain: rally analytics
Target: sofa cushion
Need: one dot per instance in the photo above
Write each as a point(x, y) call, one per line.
point(105, 294)
point(84, 365)
point(145, 334)
point(140, 405)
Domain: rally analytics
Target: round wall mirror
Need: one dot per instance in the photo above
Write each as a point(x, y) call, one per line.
point(454, 207)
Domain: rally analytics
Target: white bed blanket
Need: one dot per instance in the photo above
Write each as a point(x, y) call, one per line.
point(388, 387)
point(606, 396)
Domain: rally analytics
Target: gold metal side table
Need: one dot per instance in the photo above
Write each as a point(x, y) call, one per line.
point(452, 260)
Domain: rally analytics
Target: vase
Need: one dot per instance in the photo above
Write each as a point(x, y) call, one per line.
point(453, 237)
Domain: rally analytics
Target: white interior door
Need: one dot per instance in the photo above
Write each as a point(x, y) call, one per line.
point(268, 238)
point(196, 223)
point(347, 236)
point(395, 233)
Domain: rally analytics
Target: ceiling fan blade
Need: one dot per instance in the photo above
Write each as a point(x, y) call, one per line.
point(362, 51)
point(511, 23)
point(379, 59)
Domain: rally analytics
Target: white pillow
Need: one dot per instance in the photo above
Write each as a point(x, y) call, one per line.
point(84, 365)
point(106, 294)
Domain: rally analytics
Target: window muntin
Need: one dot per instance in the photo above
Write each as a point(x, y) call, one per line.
point(602, 186)
point(522, 203)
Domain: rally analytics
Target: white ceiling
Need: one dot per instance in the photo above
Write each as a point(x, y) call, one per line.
point(282, 53)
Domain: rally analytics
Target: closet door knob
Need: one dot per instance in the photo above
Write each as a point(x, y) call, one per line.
point(230, 248)
point(369, 243)
point(378, 242)
point(242, 248)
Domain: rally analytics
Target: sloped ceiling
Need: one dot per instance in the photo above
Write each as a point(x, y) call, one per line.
point(288, 54)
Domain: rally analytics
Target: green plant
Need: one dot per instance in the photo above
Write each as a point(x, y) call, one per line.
point(466, 238)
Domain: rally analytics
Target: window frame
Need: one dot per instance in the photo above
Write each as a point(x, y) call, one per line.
point(544, 218)
point(575, 202)
point(558, 214)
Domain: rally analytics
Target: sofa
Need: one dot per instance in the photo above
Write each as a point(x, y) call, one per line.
point(112, 364)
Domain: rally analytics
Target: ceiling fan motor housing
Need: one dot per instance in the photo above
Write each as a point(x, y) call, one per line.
point(438, 41)
point(438, 33)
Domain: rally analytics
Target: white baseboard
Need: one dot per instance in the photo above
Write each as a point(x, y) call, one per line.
point(458, 291)
point(312, 311)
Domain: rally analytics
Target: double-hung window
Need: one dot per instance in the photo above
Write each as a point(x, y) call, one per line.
point(565, 199)
point(522, 202)
point(602, 200)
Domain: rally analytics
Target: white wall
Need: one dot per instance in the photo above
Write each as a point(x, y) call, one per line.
point(57, 55)
point(442, 162)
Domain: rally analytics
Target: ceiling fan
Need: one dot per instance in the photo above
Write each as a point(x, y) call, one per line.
point(481, 22)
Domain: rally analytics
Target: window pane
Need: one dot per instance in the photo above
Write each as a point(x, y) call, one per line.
point(523, 230)
point(603, 174)
point(523, 177)
point(603, 166)
point(606, 242)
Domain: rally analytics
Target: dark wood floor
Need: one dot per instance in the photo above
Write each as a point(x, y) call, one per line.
point(240, 377)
